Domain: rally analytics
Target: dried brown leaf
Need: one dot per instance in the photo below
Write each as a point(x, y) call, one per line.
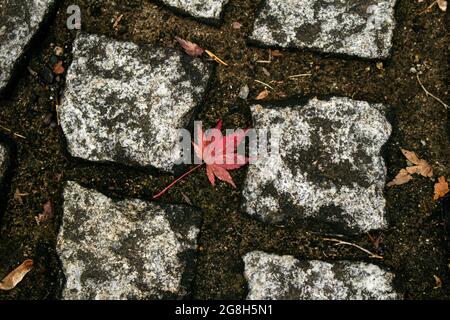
point(236, 25)
point(421, 167)
point(18, 196)
point(402, 177)
point(440, 188)
point(58, 68)
point(275, 53)
point(47, 214)
point(192, 49)
point(16, 276)
point(442, 5)
point(262, 95)
point(411, 156)
point(438, 282)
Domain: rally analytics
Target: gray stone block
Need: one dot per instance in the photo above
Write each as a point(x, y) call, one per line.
point(127, 249)
point(329, 173)
point(19, 22)
point(351, 27)
point(202, 9)
point(124, 103)
point(273, 277)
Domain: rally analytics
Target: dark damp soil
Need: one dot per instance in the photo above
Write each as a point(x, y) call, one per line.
point(415, 246)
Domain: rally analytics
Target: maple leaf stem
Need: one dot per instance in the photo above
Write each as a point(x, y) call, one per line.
point(176, 181)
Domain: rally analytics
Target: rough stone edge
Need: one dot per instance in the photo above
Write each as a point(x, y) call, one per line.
point(188, 257)
point(40, 33)
point(256, 43)
point(190, 118)
point(299, 100)
point(394, 283)
point(184, 14)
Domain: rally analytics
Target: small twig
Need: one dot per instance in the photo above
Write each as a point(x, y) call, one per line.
point(12, 132)
point(57, 111)
point(300, 75)
point(340, 242)
point(216, 58)
point(176, 181)
point(430, 94)
point(428, 8)
point(32, 72)
point(265, 84)
point(117, 21)
point(264, 61)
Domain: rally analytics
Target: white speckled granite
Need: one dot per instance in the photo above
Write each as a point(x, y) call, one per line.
point(125, 249)
point(19, 22)
point(352, 27)
point(329, 173)
point(206, 9)
point(273, 277)
point(124, 103)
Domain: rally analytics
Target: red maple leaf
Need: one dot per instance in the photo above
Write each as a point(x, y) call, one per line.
point(218, 153)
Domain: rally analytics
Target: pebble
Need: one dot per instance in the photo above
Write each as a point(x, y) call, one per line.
point(245, 91)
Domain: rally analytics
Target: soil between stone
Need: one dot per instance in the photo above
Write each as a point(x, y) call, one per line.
point(415, 245)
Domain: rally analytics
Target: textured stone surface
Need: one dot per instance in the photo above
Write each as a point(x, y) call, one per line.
point(273, 277)
point(124, 103)
point(125, 249)
point(205, 9)
point(328, 173)
point(3, 162)
point(353, 27)
point(19, 21)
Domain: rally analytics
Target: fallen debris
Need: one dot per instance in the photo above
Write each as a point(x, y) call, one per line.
point(295, 76)
point(438, 282)
point(192, 49)
point(265, 84)
point(401, 178)
point(218, 153)
point(117, 21)
point(236, 25)
point(216, 58)
point(244, 92)
point(12, 132)
point(262, 95)
point(59, 51)
point(340, 242)
point(419, 166)
point(47, 214)
point(58, 68)
point(440, 188)
point(18, 196)
point(275, 53)
point(428, 93)
point(16, 276)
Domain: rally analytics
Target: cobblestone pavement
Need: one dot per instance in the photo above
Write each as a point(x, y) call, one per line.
point(98, 138)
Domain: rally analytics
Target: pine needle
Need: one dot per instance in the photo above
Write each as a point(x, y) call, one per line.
point(216, 58)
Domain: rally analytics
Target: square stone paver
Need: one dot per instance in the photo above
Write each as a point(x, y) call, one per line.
point(127, 249)
point(124, 103)
point(329, 173)
point(352, 27)
point(202, 9)
point(19, 22)
point(273, 277)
